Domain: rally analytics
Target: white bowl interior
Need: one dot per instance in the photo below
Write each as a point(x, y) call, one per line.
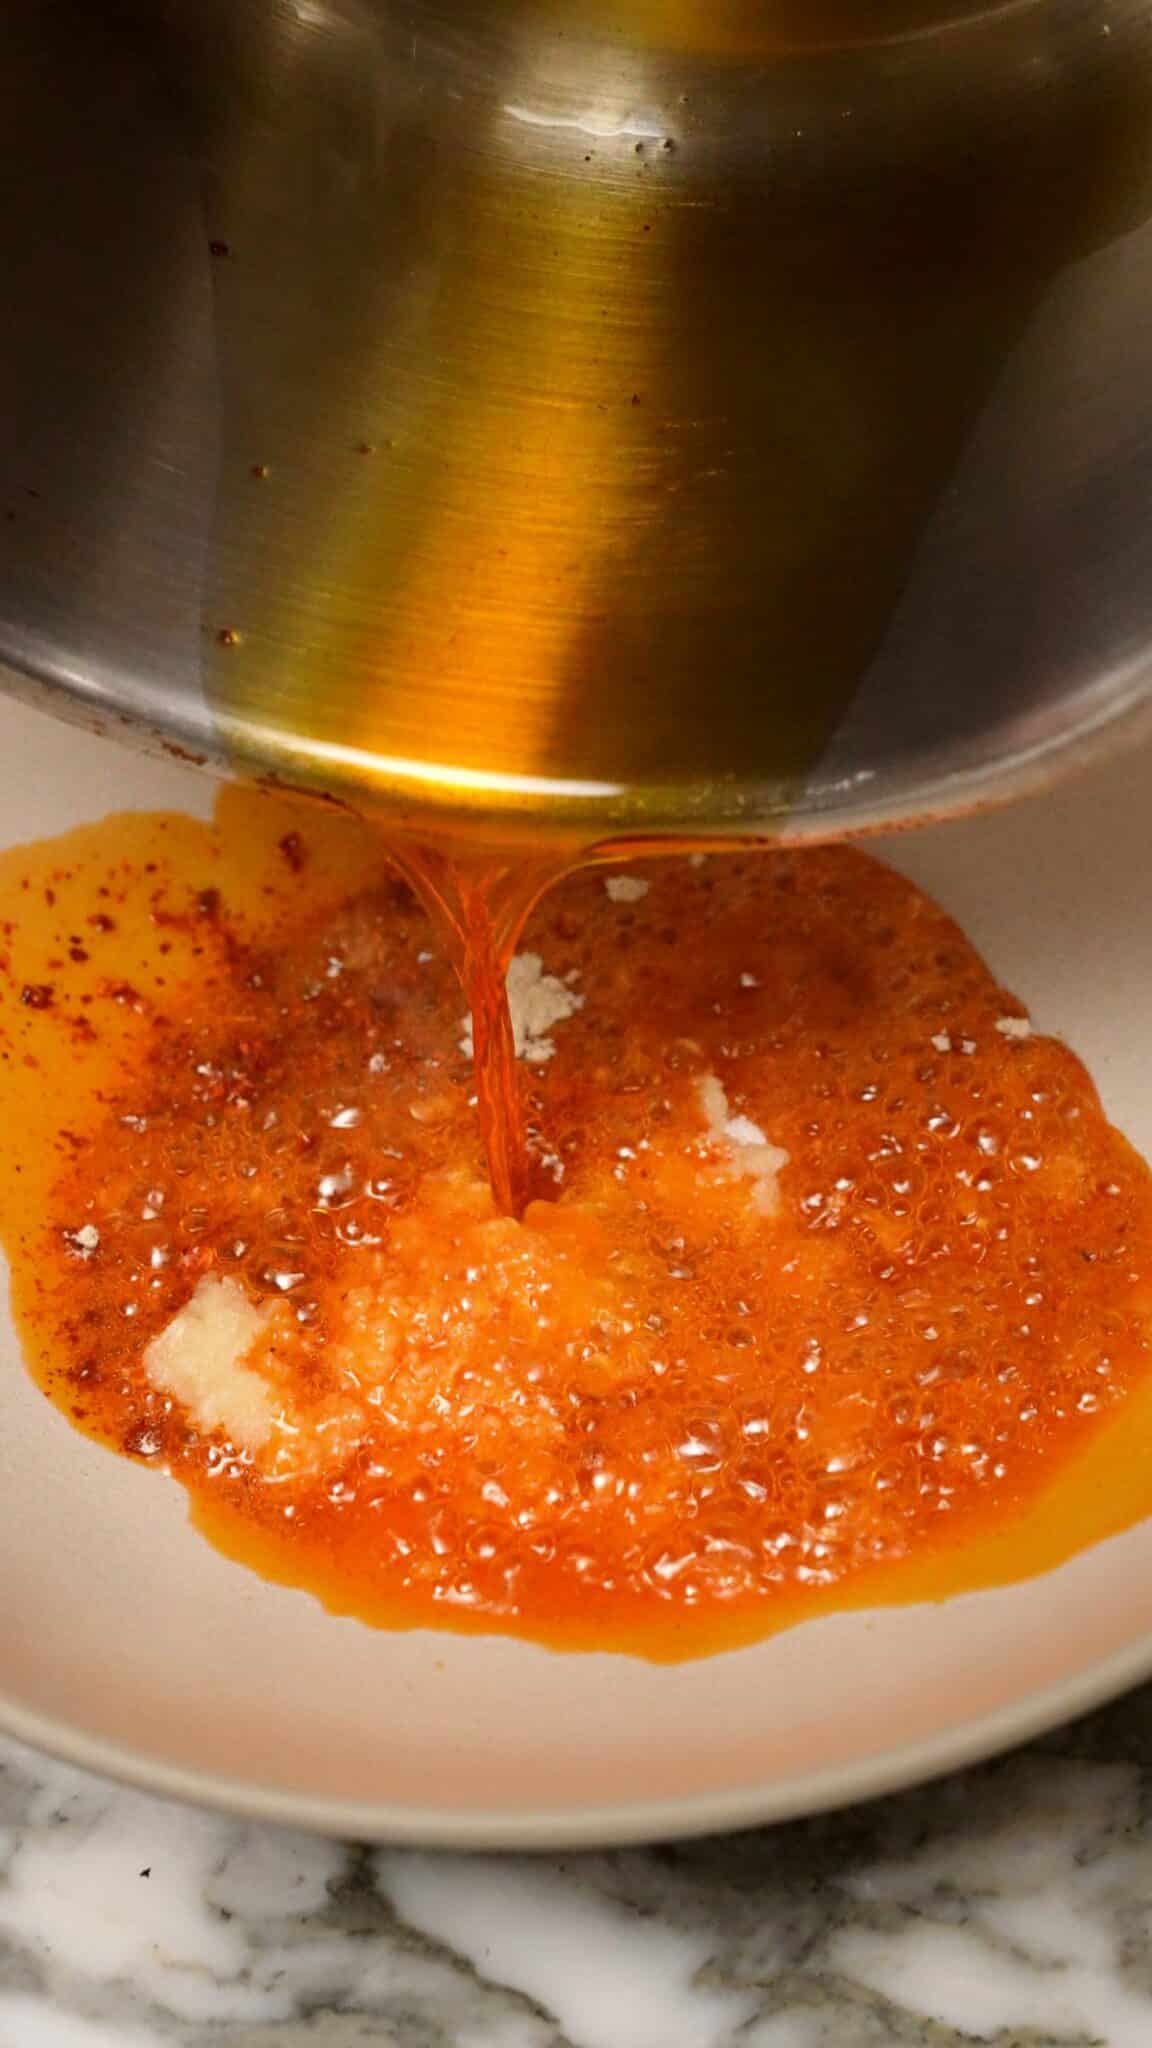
point(128, 1644)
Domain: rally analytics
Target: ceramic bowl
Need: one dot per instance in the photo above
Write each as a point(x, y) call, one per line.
point(129, 1646)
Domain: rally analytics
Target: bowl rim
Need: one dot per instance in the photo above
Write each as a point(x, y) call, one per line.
point(758, 1803)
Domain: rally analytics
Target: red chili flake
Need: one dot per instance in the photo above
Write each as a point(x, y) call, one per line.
point(208, 902)
point(220, 249)
point(38, 995)
point(294, 851)
point(123, 992)
point(77, 952)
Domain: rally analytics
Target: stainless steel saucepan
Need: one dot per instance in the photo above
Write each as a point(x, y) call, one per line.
point(667, 415)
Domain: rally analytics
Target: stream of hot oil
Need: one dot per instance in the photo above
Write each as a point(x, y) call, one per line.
point(479, 903)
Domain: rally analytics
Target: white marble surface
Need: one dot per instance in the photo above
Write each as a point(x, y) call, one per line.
point(1011, 1905)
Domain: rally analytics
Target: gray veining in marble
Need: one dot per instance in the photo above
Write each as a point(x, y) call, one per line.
point(1009, 1906)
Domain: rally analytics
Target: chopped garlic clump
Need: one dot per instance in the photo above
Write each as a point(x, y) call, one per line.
point(536, 1001)
point(749, 1150)
point(1014, 1027)
point(199, 1358)
point(626, 888)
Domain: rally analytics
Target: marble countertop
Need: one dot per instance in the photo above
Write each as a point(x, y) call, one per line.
point(1011, 1905)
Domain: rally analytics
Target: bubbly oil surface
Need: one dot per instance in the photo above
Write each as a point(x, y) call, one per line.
point(695, 1394)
